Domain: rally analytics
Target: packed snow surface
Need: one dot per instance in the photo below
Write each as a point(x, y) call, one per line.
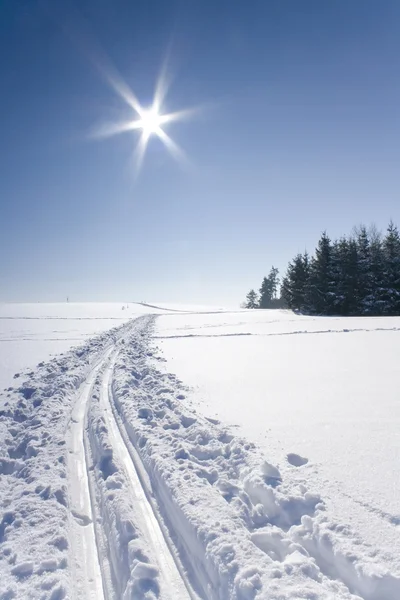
point(186, 453)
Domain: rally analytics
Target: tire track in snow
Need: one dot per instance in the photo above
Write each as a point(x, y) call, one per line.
point(87, 574)
point(173, 582)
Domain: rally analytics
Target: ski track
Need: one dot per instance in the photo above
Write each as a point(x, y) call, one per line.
point(152, 501)
point(172, 585)
point(88, 584)
point(97, 548)
point(302, 332)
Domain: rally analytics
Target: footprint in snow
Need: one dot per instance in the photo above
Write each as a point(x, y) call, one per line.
point(296, 460)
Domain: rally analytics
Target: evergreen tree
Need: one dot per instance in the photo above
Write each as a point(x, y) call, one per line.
point(364, 288)
point(355, 275)
point(339, 247)
point(251, 300)
point(274, 282)
point(321, 295)
point(269, 288)
point(374, 303)
point(265, 293)
point(294, 284)
point(349, 282)
point(391, 274)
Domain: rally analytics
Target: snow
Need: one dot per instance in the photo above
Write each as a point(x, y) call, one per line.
point(31, 333)
point(323, 391)
point(202, 454)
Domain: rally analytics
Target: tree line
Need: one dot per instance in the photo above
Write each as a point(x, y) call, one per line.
point(358, 274)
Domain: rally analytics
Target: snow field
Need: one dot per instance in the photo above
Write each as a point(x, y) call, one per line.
point(113, 486)
point(32, 333)
point(331, 397)
point(227, 476)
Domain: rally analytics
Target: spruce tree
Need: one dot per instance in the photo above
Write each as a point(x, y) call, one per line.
point(251, 300)
point(321, 294)
point(294, 284)
point(350, 278)
point(339, 248)
point(355, 275)
point(274, 282)
point(265, 293)
point(375, 301)
point(391, 274)
point(269, 289)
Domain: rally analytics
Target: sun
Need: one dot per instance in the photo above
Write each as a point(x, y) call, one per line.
point(150, 122)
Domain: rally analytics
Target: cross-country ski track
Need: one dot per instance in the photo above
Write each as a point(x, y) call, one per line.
point(89, 583)
point(89, 540)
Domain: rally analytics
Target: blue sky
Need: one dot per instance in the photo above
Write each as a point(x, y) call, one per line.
point(300, 132)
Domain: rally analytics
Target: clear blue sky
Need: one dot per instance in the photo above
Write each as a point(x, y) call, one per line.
point(300, 132)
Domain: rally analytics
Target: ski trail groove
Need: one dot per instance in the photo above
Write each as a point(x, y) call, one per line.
point(87, 574)
point(173, 583)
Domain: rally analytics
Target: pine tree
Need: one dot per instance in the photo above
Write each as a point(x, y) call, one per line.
point(251, 300)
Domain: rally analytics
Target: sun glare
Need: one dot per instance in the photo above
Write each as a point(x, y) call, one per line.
point(150, 122)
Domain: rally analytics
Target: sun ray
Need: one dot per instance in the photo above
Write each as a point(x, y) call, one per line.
point(161, 90)
point(174, 149)
point(140, 152)
point(111, 75)
point(163, 82)
point(107, 130)
point(180, 115)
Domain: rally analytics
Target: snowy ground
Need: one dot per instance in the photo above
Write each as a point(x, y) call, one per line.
point(31, 333)
point(214, 455)
point(323, 388)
